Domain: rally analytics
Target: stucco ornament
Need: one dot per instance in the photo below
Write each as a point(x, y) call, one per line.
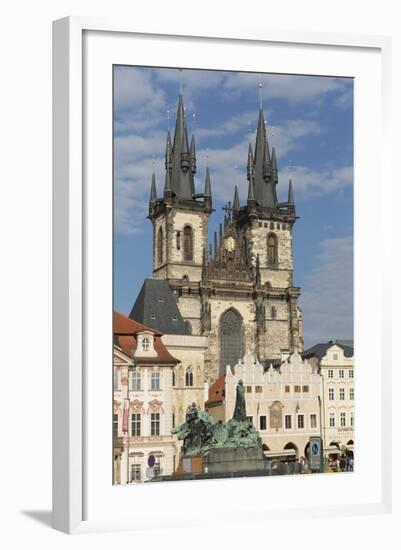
point(201, 433)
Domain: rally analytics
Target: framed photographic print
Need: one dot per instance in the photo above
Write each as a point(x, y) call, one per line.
point(217, 228)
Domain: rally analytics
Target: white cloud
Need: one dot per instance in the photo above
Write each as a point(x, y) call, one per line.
point(327, 296)
point(294, 88)
point(133, 88)
point(308, 182)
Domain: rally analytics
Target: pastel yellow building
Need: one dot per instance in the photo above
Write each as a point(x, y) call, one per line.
point(335, 362)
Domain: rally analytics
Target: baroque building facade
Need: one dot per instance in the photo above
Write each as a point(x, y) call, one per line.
point(283, 403)
point(143, 402)
point(238, 290)
point(335, 361)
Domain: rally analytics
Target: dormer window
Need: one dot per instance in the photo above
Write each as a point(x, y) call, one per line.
point(153, 315)
point(145, 344)
point(161, 299)
point(174, 317)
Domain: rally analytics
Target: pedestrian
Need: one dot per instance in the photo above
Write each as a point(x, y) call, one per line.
point(351, 464)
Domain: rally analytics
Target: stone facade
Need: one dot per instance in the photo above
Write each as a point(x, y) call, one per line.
point(249, 269)
point(188, 384)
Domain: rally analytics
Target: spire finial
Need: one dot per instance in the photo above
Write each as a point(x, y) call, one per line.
point(291, 201)
point(236, 203)
point(180, 81)
point(153, 195)
point(207, 158)
point(260, 92)
point(193, 121)
point(168, 120)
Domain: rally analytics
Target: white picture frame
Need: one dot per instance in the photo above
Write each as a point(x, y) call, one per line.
point(73, 337)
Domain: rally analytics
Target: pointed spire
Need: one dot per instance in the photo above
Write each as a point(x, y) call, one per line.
point(274, 166)
point(153, 195)
point(250, 166)
point(236, 203)
point(215, 244)
point(208, 188)
point(263, 191)
point(181, 177)
point(185, 152)
point(169, 151)
point(266, 164)
point(192, 155)
point(168, 194)
point(251, 192)
point(291, 201)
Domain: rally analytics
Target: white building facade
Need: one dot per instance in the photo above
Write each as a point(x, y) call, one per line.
point(284, 404)
point(335, 361)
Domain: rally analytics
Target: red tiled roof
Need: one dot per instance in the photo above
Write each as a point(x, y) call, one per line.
point(125, 325)
point(125, 331)
point(217, 390)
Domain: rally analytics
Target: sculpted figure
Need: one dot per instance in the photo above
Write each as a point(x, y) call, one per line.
point(239, 409)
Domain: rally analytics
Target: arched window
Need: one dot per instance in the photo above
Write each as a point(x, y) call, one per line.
point(291, 447)
point(231, 338)
point(271, 249)
point(173, 378)
point(160, 246)
point(188, 243)
point(189, 377)
point(273, 312)
point(189, 327)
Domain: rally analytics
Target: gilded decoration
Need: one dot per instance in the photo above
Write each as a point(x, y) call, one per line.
point(155, 406)
point(136, 406)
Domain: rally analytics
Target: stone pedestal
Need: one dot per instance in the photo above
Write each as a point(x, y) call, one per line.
point(235, 459)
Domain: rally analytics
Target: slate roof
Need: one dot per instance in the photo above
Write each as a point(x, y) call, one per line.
point(125, 331)
point(319, 350)
point(156, 307)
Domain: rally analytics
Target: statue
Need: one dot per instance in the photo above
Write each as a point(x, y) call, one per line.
point(239, 409)
point(200, 432)
point(196, 431)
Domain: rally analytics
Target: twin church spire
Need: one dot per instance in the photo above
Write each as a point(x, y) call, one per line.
point(180, 165)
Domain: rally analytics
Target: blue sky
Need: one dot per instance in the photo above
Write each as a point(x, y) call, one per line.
point(310, 123)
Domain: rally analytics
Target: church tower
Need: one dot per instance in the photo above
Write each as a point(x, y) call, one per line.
point(180, 217)
point(265, 226)
point(238, 290)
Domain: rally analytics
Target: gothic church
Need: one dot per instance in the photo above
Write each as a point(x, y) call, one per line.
point(238, 290)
